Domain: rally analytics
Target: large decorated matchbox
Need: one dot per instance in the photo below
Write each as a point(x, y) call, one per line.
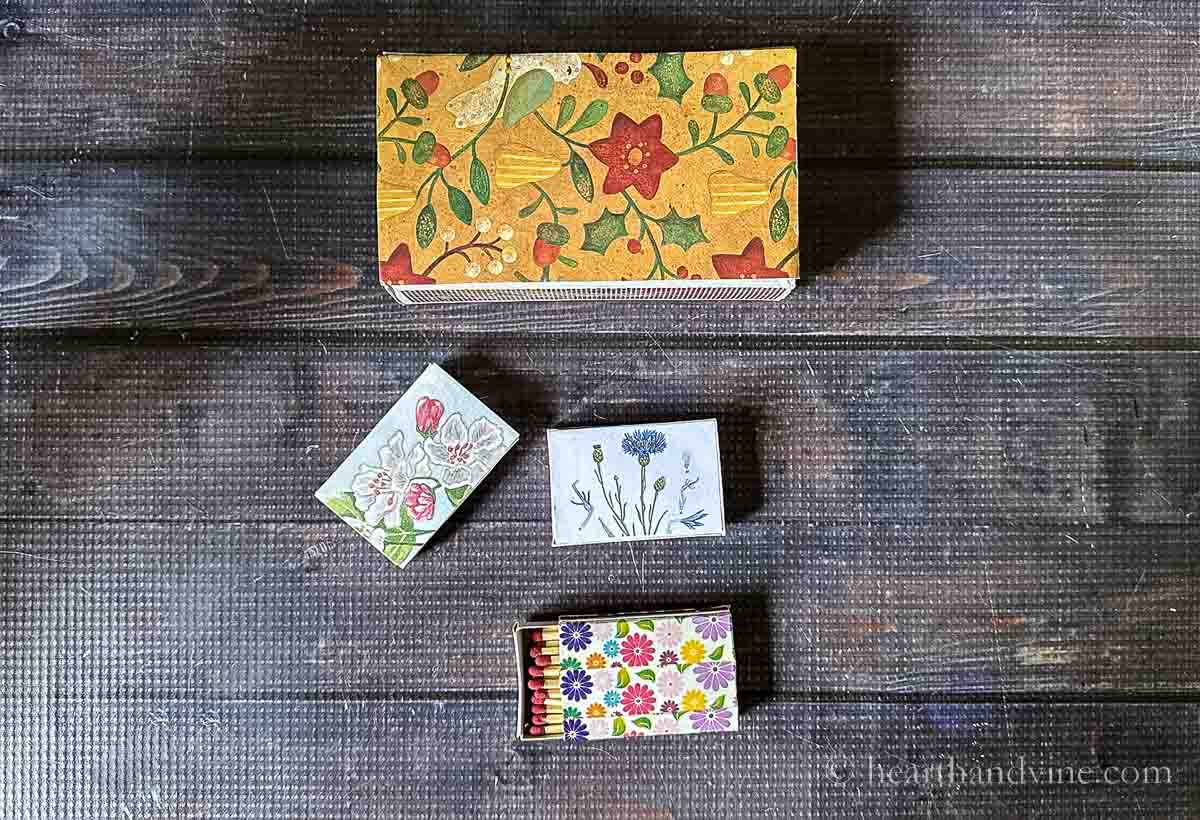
point(601, 678)
point(419, 464)
point(635, 482)
point(588, 175)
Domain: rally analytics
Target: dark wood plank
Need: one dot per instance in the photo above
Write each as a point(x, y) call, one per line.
point(977, 80)
point(260, 610)
point(811, 434)
point(926, 253)
point(405, 759)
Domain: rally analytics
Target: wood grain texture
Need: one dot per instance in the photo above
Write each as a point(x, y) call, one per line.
point(809, 435)
point(947, 80)
point(227, 759)
point(195, 610)
point(292, 245)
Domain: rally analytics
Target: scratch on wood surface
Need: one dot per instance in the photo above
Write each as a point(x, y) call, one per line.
point(32, 555)
point(278, 233)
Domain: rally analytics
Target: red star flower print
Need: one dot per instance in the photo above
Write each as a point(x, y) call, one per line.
point(635, 155)
point(751, 263)
point(397, 270)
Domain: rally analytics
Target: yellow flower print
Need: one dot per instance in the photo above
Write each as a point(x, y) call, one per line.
point(596, 661)
point(596, 710)
point(693, 652)
point(693, 701)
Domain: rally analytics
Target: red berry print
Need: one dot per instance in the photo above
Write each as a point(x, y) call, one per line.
point(441, 155)
point(622, 67)
point(635, 56)
point(682, 272)
point(637, 77)
point(634, 246)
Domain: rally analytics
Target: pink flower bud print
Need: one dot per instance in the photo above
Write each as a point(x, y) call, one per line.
point(419, 502)
point(429, 415)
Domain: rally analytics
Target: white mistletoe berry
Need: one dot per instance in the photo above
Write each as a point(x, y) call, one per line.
point(508, 255)
point(506, 232)
point(495, 266)
point(484, 225)
point(472, 270)
point(448, 235)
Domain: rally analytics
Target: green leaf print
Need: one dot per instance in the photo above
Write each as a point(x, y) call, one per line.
point(473, 61)
point(646, 624)
point(780, 219)
point(343, 505)
point(647, 674)
point(622, 629)
point(681, 231)
point(618, 726)
point(528, 92)
point(643, 722)
point(460, 204)
point(716, 654)
point(622, 678)
point(673, 81)
point(426, 226)
point(591, 115)
point(457, 494)
point(597, 236)
point(481, 184)
point(719, 703)
point(565, 109)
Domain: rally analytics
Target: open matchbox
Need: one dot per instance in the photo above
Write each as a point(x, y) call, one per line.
point(598, 678)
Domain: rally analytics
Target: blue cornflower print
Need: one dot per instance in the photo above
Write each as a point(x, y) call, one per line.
point(611, 648)
point(612, 698)
point(576, 636)
point(574, 729)
point(643, 444)
point(576, 685)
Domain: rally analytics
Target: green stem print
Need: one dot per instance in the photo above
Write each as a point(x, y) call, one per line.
point(570, 143)
point(399, 113)
point(616, 505)
point(460, 204)
point(658, 268)
point(463, 250)
point(713, 137)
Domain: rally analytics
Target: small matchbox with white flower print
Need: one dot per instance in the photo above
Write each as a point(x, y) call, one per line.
point(414, 470)
point(601, 678)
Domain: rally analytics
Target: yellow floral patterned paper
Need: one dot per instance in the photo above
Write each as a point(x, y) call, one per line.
point(586, 167)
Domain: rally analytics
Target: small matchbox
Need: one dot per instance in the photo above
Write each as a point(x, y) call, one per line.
point(414, 470)
point(635, 482)
point(599, 678)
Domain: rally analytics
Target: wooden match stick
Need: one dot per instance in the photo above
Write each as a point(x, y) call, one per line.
point(539, 651)
point(546, 660)
point(547, 696)
point(544, 671)
point(547, 709)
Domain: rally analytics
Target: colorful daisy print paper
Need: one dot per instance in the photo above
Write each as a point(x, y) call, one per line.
point(541, 171)
point(660, 675)
point(414, 470)
point(635, 482)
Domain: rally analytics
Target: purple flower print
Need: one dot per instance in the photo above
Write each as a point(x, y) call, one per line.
point(669, 707)
point(576, 685)
point(711, 720)
point(667, 658)
point(574, 729)
point(576, 636)
point(712, 627)
point(715, 674)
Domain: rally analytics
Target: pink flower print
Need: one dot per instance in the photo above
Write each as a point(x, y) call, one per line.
point(637, 650)
point(669, 683)
point(420, 501)
point(669, 634)
point(429, 415)
point(604, 679)
point(637, 699)
point(666, 725)
point(604, 631)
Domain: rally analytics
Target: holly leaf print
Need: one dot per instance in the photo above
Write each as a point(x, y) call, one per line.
point(646, 624)
point(717, 653)
point(597, 236)
point(647, 674)
point(643, 722)
point(618, 726)
point(622, 678)
point(528, 92)
point(343, 506)
point(681, 231)
point(673, 81)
